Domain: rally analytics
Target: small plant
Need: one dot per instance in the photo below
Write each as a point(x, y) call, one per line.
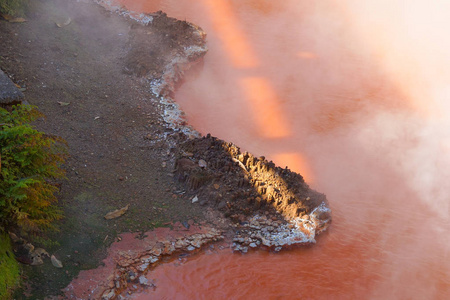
point(29, 161)
point(9, 268)
point(13, 7)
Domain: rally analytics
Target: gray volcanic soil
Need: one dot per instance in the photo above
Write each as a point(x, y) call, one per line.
point(93, 81)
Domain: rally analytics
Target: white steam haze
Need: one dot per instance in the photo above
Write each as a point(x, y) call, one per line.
point(362, 94)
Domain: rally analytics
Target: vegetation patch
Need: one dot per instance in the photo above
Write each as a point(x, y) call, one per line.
point(13, 7)
point(29, 164)
point(9, 268)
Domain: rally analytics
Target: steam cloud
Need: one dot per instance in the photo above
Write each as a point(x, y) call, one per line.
point(364, 86)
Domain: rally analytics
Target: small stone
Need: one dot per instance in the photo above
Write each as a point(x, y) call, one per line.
point(143, 280)
point(202, 163)
point(266, 242)
point(222, 205)
point(168, 248)
point(132, 275)
point(36, 260)
point(15, 238)
point(108, 294)
point(56, 262)
point(253, 245)
point(41, 252)
point(195, 199)
point(197, 242)
point(156, 251)
point(143, 267)
point(29, 247)
point(190, 248)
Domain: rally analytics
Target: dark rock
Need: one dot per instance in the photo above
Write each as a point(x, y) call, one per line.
point(185, 224)
point(222, 205)
point(9, 93)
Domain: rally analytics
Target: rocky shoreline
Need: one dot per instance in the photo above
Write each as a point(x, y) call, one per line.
point(268, 207)
point(252, 203)
point(132, 257)
point(125, 131)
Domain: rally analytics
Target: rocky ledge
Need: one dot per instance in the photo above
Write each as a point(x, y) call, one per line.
point(269, 207)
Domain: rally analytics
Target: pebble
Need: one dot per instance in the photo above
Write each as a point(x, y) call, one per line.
point(143, 267)
point(108, 294)
point(202, 163)
point(156, 251)
point(56, 262)
point(143, 280)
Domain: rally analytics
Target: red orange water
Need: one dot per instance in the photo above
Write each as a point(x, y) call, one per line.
point(353, 95)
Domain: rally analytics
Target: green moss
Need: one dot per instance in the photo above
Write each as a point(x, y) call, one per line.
point(13, 7)
point(9, 268)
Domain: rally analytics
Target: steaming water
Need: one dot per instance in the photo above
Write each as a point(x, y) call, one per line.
point(352, 94)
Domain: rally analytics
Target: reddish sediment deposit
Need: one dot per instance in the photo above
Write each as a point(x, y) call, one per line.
point(133, 255)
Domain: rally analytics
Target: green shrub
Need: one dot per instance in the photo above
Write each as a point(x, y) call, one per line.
point(9, 268)
point(14, 7)
point(29, 161)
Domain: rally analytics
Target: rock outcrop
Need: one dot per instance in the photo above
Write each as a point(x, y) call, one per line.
point(9, 93)
point(269, 206)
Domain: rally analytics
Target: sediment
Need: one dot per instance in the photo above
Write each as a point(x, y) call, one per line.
point(132, 256)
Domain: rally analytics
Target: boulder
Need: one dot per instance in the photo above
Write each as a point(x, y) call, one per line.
point(9, 93)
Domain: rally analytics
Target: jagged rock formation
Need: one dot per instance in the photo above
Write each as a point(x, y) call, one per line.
point(270, 206)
